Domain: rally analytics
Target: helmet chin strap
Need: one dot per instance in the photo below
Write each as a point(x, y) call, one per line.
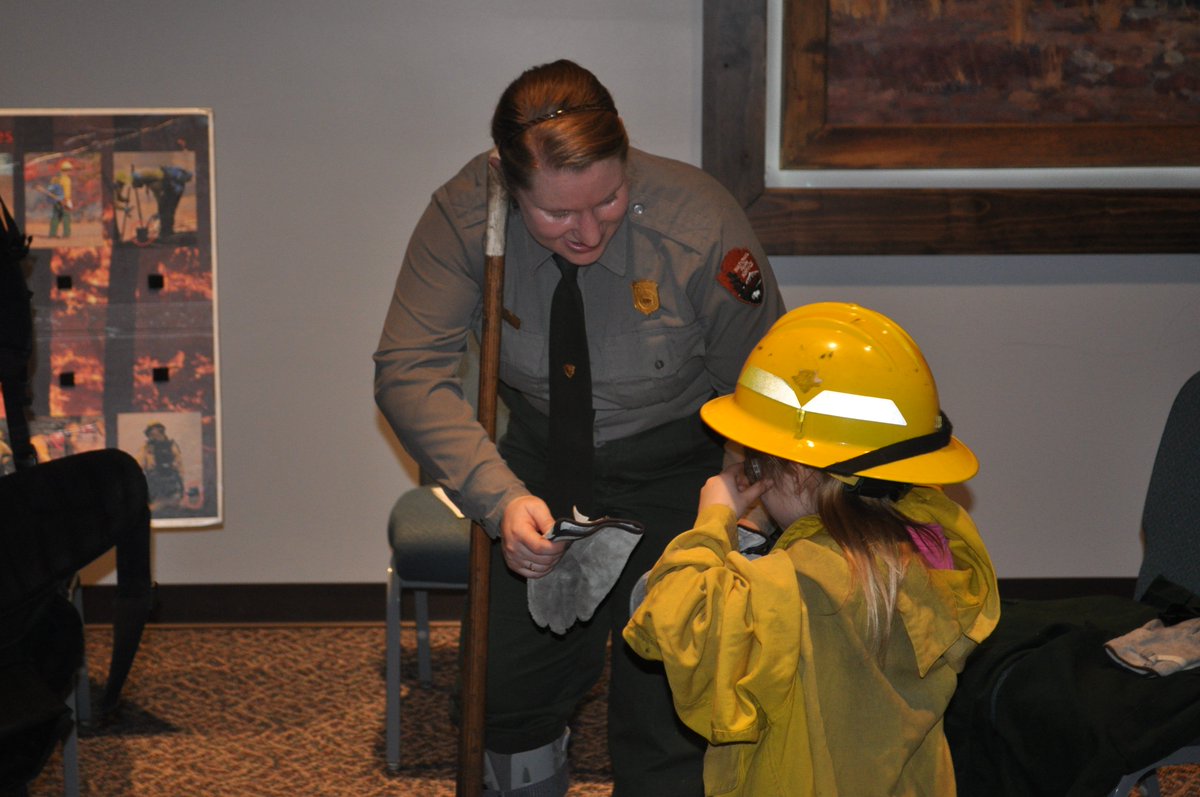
point(846, 471)
point(912, 447)
point(866, 487)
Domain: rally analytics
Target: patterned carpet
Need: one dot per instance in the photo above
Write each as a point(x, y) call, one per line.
point(294, 711)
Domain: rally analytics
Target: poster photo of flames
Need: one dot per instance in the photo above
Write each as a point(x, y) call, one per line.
point(122, 272)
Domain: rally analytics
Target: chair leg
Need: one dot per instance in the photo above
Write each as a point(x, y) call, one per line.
point(80, 703)
point(1146, 778)
point(424, 665)
point(70, 751)
point(83, 689)
point(392, 640)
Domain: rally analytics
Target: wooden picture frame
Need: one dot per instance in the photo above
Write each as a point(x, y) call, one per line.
point(925, 220)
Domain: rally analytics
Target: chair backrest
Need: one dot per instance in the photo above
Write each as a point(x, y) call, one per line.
point(1171, 516)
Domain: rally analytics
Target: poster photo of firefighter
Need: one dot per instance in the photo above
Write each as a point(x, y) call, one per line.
point(168, 447)
point(6, 178)
point(113, 298)
point(54, 438)
point(154, 198)
point(63, 199)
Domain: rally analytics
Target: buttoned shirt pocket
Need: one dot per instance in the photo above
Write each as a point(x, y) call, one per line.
point(524, 358)
point(654, 364)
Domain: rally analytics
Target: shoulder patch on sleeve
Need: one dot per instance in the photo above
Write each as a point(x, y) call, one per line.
point(741, 276)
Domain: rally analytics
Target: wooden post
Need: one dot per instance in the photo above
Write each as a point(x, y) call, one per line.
point(475, 630)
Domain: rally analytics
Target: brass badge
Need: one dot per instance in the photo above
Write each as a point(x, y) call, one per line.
point(645, 296)
point(569, 370)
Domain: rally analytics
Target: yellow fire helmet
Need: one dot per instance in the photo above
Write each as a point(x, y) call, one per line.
point(842, 388)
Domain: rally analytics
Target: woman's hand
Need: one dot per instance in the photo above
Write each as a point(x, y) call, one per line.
point(526, 551)
point(731, 488)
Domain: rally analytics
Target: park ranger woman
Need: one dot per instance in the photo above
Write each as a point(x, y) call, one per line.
point(662, 272)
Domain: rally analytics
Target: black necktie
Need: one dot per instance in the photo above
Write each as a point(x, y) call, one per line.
point(569, 466)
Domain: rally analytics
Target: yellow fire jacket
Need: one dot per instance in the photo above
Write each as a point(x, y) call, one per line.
point(767, 660)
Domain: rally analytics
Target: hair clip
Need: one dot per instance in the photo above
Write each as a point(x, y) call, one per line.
point(559, 112)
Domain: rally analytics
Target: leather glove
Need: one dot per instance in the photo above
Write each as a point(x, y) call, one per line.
point(1157, 649)
point(586, 573)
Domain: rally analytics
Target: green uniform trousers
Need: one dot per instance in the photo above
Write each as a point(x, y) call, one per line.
point(537, 679)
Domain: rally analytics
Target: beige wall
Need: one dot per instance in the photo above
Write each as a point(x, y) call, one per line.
point(334, 122)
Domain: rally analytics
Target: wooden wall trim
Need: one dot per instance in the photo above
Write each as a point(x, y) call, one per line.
point(906, 221)
point(222, 604)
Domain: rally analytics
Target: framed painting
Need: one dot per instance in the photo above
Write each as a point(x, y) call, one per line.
point(860, 91)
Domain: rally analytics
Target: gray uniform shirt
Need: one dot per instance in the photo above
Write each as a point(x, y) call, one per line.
point(669, 318)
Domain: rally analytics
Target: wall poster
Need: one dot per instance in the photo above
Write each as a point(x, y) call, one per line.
point(120, 207)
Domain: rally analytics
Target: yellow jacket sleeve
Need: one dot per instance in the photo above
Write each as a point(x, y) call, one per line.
point(725, 627)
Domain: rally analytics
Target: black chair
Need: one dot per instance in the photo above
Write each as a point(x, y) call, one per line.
point(1169, 519)
point(1171, 534)
point(55, 518)
point(1041, 709)
point(430, 544)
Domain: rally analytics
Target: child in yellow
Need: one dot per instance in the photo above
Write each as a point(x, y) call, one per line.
point(825, 666)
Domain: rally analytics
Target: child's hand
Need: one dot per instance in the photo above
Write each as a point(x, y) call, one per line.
point(730, 488)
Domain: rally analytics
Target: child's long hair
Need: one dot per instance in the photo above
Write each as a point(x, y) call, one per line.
point(874, 537)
